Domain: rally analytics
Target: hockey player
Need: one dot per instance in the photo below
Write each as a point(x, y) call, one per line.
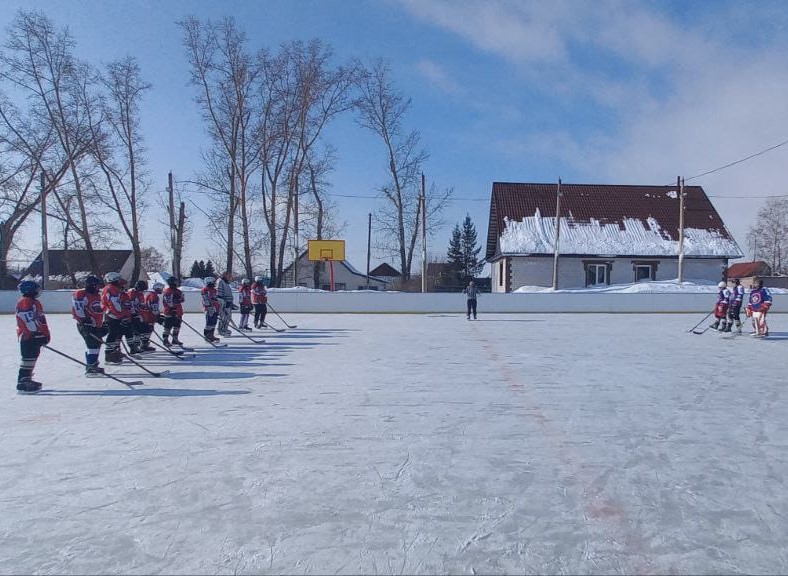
point(259, 301)
point(760, 302)
point(734, 306)
point(471, 292)
point(721, 307)
point(225, 292)
point(245, 301)
point(140, 321)
point(87, 310)
point(33, 332)
point(117, 313)
point(212, 306)
point(173, 312)
point(151, 312)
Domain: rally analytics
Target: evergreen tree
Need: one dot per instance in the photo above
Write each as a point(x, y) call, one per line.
point(471, 265)
point(454, 255)
point(198, 270)
point(209, 269)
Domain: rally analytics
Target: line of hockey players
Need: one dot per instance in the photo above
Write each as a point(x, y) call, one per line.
point(106, 312)
point(727, 310)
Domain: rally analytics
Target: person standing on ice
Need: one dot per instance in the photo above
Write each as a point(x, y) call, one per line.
point(721, 307)
point(471, 292)
point(245, 301)
point(760, 302)
point(211, 305)
point(259, 301)
point(87, 311)
point(734, 306)
point(117, 313)
point(226, 296)
point(33, 332)
point(172, 300)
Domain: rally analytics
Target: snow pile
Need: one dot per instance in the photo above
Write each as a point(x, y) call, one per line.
point(536, 235)
point(187, 285)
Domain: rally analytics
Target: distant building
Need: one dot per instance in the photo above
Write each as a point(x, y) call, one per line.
point(749, 272)
point(346, 277)
point(68, 267)
point(609, 234)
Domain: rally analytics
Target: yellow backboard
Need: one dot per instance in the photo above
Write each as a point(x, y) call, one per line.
point(326, 250)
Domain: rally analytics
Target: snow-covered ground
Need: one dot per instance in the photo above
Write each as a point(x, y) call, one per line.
point(575, 443)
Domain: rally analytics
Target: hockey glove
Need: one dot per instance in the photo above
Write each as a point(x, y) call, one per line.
point(42, 339)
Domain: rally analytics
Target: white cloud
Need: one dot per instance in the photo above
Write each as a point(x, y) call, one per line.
point(437, 76)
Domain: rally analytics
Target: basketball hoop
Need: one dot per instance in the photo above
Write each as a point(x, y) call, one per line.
point(327, 251)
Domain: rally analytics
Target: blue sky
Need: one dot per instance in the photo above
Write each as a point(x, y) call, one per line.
point(592, 92)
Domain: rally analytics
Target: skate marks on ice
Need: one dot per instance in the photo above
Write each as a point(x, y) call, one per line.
point(144, 391)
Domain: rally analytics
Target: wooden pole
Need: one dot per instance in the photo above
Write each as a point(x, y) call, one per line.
point(557, 234)
point(44, 239)
point(173, 229)
point(680, 185)
point(369, 244)
point(423, 235)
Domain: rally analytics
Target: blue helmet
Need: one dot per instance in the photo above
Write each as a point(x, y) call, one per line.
point(29, 288)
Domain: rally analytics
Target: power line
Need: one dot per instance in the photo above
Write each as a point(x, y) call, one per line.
point(751, 156)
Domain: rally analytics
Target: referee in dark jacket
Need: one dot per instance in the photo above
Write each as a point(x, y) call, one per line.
point(470, 291)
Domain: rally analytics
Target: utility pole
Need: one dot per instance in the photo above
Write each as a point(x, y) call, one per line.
point(423, 208)
point(295, 237)
point(44, 239)
point(557, 234)
point(173, 230)
point(680, 186)
point(369, 243)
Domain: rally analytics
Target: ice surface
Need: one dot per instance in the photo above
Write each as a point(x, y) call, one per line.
point(415, 444)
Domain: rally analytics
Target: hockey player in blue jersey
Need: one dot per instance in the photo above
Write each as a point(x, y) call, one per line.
point(721, 307)
point(734, 306)
point(760, 302)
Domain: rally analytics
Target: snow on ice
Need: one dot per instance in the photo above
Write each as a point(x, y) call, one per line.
point(409, 444)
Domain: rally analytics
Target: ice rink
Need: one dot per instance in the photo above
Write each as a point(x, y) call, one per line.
point(406, 444)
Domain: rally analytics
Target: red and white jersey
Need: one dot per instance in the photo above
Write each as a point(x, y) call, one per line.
point(134, 300)
point(86, 308)
point(173, 301)
point(150, 307)
point(115, 302)
point(30, 319)
point(259, 294)
point(210, 299)
point(245, 296)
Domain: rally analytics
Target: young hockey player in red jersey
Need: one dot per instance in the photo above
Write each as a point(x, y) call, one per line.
point(259, 301)
point(151, 312)
point(87, 311)
point(173, 312)
point(211, 306)
point(117, 313)
point(141, 330)
point(245, 301)
point(33, 332)
point(721, 307)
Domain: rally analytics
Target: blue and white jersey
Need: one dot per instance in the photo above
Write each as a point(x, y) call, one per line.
point(760, 299)
point(737, 296)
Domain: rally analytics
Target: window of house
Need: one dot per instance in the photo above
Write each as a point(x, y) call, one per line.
point(364, 287)
point(642, 272)
point(500, 273)
point(340, 286)
point(596, 274)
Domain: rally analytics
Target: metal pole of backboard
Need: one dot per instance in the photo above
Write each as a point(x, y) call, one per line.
point(680, 186)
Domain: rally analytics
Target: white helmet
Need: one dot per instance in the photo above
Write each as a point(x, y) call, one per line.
point(721, 285)
point(111, 277)
point(245, 282)
point(209, 280)
point(258, 279)
point(157, 287)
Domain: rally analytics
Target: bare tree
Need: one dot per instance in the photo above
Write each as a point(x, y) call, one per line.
point(382, 111)
point(227, 77)
point(38, 61)
point(769, 235)
point(118, 150)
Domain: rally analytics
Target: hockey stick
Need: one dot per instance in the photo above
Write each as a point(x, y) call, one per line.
point(170, 350)
point(193, 329)
point(233, 325)
point(701, 331)
point(693, 329)
point(274, 328)
point(163, 347)
point(128, 357)
point(282, 319)
point(130, 383)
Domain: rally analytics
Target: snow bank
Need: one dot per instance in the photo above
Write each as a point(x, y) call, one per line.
point(661, 287)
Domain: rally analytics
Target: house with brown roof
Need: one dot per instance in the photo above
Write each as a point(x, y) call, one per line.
point(68, 267)
point(608, 234)
point(346, 277)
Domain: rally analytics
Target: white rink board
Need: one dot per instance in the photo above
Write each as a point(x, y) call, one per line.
point(402, 302)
